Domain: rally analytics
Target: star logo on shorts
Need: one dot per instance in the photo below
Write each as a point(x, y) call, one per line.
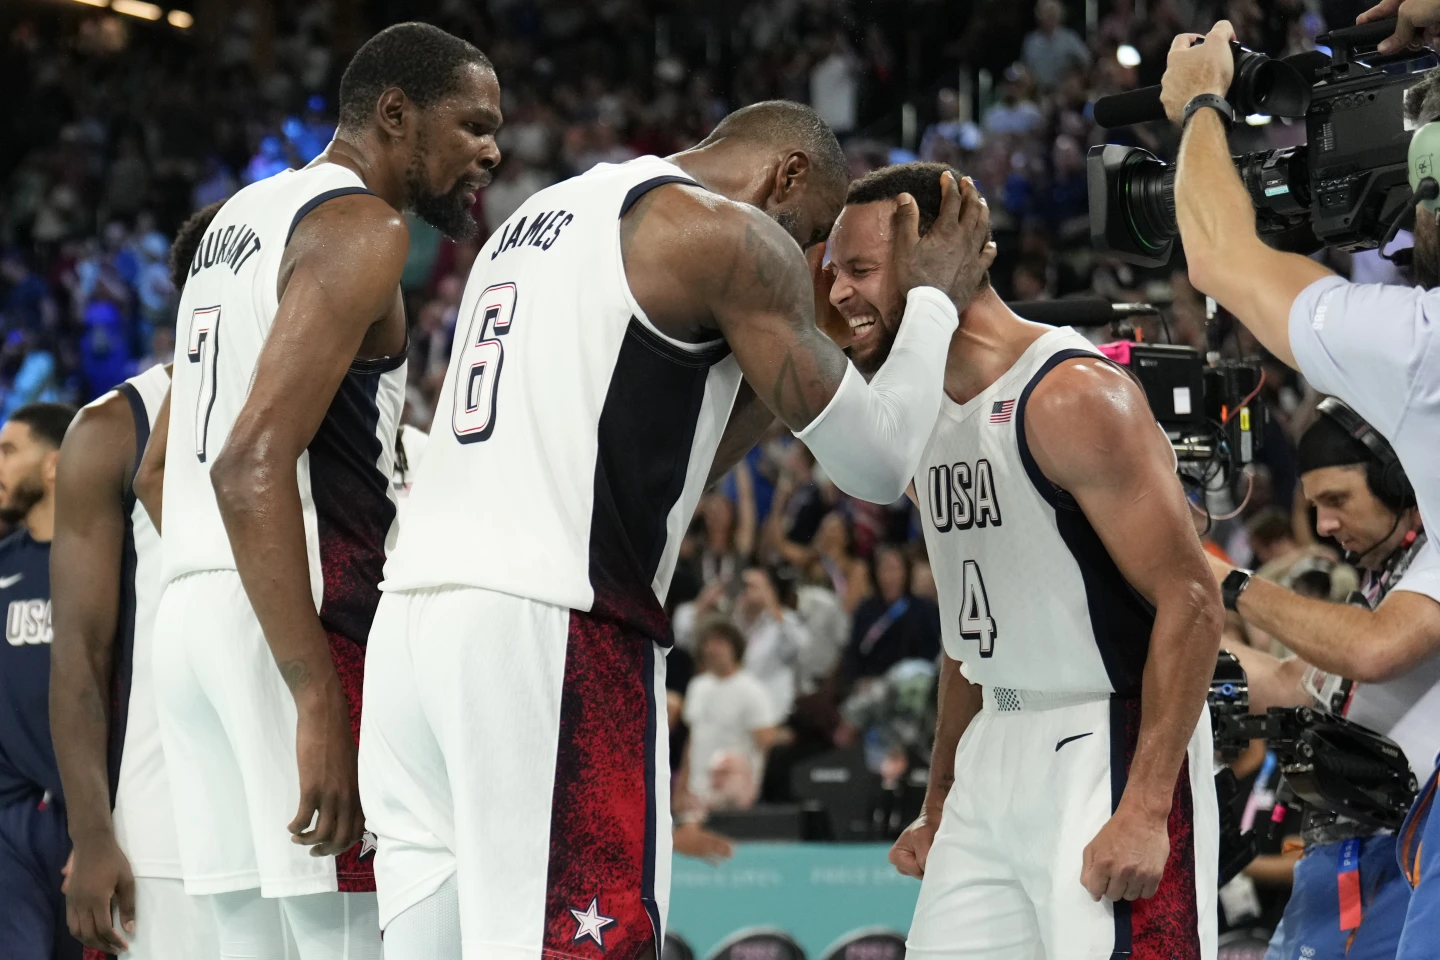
point(590, 923)
point(367, 846)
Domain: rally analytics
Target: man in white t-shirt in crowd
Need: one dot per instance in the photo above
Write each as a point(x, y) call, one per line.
point(732, 724)
point(1373, 346)
point(775, 636)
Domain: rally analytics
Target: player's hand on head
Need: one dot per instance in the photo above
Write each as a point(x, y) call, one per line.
point(911, 851)
point(955, 252)
point(330, 820)
point(98, 884)
point(1126, 860)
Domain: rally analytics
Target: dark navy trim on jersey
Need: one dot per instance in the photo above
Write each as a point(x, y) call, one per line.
point(1120, 618)
point(704, 355)
point(644, 187)
point(315, 201)
point(1119, 776)
point(142, 430)
point(383, 364)
point(122, 675)
point(647, 877)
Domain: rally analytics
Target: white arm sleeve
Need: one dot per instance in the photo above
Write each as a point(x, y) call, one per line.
point(869, 437)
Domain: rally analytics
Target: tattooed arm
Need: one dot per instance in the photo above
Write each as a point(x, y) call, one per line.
point(696, 262)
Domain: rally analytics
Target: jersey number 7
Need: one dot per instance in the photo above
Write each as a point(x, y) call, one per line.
point(477, 378)
point(975, 620)
point(203, 347)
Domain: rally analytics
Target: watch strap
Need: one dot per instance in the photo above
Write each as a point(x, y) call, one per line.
point(1233, 585)
point(1219, 104)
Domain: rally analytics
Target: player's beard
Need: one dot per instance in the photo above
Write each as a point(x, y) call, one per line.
point(17, 504)
point(789, 221)
point(447, 212)
point(1426, 263)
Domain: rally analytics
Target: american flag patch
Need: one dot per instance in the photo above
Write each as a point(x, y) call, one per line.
point(1001, 411)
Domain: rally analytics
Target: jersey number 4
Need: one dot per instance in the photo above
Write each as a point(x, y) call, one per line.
point(203, 348)
point(975, 620)
point(482, 355)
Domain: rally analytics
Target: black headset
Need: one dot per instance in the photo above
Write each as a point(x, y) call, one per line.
point(1384, 474)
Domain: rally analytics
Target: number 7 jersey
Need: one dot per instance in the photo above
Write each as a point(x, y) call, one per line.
point(226, 313)
point(1029, 597)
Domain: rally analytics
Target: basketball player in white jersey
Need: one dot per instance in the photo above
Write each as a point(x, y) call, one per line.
point(513, 759)
point(277, 492)
point(1077, 817)
point(105, 585)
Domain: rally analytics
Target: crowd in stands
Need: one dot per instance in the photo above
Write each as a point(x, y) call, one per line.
point(807, 619)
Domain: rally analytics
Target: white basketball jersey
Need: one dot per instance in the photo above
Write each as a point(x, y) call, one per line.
point(1029, 598)
point(143, 817)
point(226, 312)
point(571, 439)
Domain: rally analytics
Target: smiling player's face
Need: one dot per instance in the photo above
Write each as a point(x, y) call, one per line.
point(865, 291)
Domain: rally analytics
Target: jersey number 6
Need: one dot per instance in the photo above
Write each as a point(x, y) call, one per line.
point(478, 375)
point(975, 620)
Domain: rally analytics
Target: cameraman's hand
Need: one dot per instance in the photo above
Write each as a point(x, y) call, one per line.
point(1195, 68)
point(1417, 24)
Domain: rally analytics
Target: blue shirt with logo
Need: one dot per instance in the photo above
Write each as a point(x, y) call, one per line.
point(27, 759)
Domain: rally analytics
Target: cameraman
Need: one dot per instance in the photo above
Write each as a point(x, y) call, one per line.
point(1374, 662)
point(1373, 346)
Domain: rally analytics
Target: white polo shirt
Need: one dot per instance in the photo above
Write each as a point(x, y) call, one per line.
point(1375, 347)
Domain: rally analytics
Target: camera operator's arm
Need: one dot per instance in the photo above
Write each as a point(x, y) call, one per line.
point(1370, 646)
point(1225, 256)
point(1273, 682)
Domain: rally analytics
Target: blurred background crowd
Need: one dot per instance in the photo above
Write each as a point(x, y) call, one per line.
point(806, 619)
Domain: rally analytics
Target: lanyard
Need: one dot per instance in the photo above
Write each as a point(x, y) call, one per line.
point(1348, 878)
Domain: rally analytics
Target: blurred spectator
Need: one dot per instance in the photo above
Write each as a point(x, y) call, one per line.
point(834, 84)
point(953, 136)
point(1271, 536)
point(775, 636)
point(1053, 50)
point(893, 624)
point(732, 726)
point(1016, 113)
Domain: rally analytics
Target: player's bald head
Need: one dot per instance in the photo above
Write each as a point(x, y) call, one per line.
point(786, 125)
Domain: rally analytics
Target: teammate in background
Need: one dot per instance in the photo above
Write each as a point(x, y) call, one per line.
point(277, 484)
point(1080, 625)
point(106, 586)
point(514, 760)
point(1375, 660)
point(33, 843)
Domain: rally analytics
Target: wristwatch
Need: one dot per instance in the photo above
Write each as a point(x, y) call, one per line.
point(1233, 585)
point(1219, 104)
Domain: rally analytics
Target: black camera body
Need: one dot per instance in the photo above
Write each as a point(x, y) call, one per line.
point(1342, 189)
point(1328, 762)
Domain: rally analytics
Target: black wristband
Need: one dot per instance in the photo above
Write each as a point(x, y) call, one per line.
point(1232, 586)
point(1219, 104)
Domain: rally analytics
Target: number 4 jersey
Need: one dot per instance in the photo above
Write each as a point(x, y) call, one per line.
point(226, 312)
point(1029, 598)
point(571, 439)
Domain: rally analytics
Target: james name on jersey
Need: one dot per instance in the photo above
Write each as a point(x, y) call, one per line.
point(543, 231)
point(28, 621)
point(962, 497)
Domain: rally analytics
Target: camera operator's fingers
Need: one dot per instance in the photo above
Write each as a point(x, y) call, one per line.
point(1386, 8)
point(1184, 41)
point(1404, 34)
point(1223, 31)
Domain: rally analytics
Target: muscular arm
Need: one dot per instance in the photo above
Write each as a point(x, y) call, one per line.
point(695, 261)
point(347, 257)
point(1370, 646)
point(958, 702)
point(150, 478)
point(85, 568)
point(1091, 432)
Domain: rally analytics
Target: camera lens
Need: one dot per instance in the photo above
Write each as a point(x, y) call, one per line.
point(1148, 200)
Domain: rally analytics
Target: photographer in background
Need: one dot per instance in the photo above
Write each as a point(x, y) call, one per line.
point(1375, 661)
point(1373, 346)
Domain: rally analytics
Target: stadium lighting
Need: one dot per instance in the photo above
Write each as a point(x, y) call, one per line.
point(1127, 55)
point(95, 3)
point(136, 8)
point(1257, 120)
point(180, 19)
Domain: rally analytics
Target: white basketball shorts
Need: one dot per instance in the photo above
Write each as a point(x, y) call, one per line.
point(522, 748)
point(1032, 788)
point(227, 722)
point(169, 923)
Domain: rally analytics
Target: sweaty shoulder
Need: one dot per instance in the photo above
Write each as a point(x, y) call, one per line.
point(363, 222)
point(1087, 416)
point(102, 433)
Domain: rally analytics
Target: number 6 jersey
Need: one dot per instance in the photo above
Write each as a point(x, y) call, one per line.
point(1029, 598)
point(226, 312)
point(571, 439)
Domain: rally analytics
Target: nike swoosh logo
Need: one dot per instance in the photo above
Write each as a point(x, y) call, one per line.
point(7, 582)
point(1078, 736)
